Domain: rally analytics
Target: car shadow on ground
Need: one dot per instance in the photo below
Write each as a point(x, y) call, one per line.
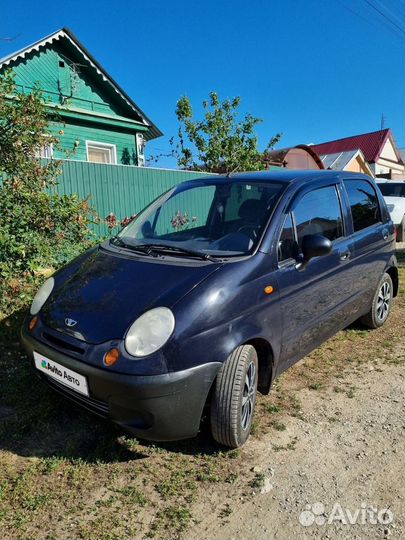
point(35, 421)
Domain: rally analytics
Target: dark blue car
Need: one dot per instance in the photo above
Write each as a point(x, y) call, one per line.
point(209, 294)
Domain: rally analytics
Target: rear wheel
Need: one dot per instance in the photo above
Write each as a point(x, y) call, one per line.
point(234, 397)
point(381, 305)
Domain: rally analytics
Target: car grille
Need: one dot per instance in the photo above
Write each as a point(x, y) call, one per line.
point(94, 405)
point(62, 344)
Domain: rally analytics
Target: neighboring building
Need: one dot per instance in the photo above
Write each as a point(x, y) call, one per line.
point(297, 157)
point(99, 121)
point(351, 160)
point(379, 149)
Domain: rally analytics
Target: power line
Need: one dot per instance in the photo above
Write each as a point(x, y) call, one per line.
point(385, 16)
point(372, 22)
point(390, 12)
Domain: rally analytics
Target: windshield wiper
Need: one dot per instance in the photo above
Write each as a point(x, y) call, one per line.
point(179, 249)
point(143, 248)
point(152, 249)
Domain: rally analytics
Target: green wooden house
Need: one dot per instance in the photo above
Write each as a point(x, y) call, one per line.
point(96, 120)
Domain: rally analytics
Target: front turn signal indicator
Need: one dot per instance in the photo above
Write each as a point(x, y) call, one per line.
point(32, 324)
point(111, 357)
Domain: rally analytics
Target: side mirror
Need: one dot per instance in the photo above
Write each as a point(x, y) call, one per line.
point(313, 245)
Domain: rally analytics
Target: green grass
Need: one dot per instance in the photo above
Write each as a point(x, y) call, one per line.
point(315, 386)
point(278, 426)
point(289, 446)
point(133, 495)
point(258, 481)
point(226, 511)
point(273, 409)
point(174, 518)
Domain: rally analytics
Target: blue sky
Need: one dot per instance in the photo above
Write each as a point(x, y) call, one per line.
point(314, 70)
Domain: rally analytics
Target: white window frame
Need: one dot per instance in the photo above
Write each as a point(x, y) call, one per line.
point(40, 153)
point(46, 148)
point(102, 146)
point(140, 149)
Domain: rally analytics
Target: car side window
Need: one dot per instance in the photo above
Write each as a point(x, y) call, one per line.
point(363, 203)
point(287, 245)
point(319, 212)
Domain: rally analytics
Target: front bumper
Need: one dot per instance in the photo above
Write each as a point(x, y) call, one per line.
point(154, 407)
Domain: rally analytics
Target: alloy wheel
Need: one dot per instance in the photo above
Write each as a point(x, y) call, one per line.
point(249, 396)
point(383, 301)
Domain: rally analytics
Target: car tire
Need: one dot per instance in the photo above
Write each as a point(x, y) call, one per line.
point(234, 397)
point(381, 305)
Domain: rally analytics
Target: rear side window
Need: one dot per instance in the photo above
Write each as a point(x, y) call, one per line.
point(319, 212)
point(363, 203)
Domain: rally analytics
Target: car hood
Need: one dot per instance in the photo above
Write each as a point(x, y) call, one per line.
point(104, 292)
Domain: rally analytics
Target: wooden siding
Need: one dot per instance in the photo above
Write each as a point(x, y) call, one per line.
point(77, 91)
point(125, 142)
point(74, 86)
point(121, 189)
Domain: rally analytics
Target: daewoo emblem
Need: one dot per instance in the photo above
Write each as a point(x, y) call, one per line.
point(70, 322)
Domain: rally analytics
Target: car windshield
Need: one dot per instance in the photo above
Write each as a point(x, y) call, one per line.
point(218, 218)
point(392, 189)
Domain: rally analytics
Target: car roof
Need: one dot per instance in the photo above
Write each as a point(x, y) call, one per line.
point(286, 176)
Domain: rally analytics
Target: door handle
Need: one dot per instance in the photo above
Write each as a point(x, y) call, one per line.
point(385, 234)
point(345, 255)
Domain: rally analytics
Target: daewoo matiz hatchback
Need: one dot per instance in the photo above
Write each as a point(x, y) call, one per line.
point(209, 294)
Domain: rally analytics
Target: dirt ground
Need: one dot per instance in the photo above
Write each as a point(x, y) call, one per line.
point(325, 459)
point(349, 452)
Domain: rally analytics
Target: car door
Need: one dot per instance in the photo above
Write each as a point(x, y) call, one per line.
point(314, 301)
point(371, 234)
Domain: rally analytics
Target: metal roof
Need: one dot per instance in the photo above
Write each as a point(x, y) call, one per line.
point(281, 156)
point(371, 144)
point(67, 34)
point(339, 160)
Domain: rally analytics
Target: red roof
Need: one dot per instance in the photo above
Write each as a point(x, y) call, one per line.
point(371, 144)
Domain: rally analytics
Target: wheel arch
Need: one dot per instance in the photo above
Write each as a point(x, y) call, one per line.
point(392, 271)
point(265, 356)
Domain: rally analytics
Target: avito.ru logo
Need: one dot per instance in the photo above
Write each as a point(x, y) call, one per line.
point(316, 514)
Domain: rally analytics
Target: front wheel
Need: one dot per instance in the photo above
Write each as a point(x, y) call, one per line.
point(381, 305)
point(234, 397)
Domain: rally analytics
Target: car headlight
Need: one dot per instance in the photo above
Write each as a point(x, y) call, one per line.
point(150, 332)
point(42, 295)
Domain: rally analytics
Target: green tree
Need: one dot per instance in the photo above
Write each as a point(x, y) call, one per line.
point(38, 227)
point(221, 141)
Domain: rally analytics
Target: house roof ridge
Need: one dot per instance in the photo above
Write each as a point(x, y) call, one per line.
point(353, 136)
point(67, 33)
point(371, 144)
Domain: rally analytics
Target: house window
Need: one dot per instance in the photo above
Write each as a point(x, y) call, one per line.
point(45, 151)
point(140, 149)
point(101, 152)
